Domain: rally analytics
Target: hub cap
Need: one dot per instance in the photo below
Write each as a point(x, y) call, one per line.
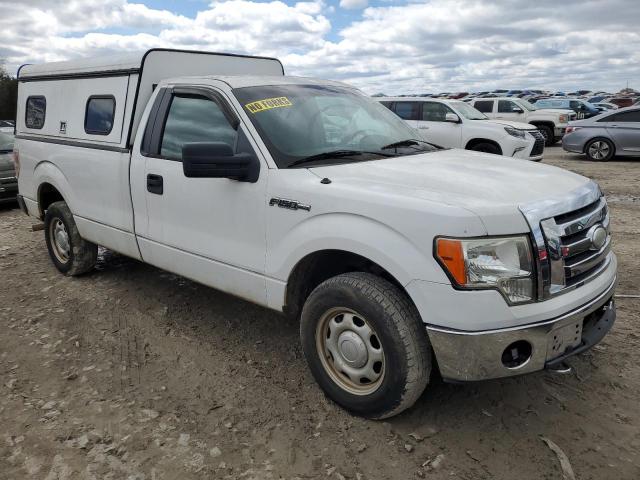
point(59, 240)
point(350, 351)
point(599, 150)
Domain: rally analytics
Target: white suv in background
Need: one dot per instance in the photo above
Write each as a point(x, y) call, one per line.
point(456, 124)
point(551, 122)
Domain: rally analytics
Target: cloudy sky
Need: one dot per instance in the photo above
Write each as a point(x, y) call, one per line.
point(379, 45)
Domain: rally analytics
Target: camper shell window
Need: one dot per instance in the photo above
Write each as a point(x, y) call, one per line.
point(35, 112)
point(99, 113)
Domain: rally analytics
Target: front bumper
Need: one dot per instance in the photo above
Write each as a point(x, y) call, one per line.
point(558, 132)
point(471, 356)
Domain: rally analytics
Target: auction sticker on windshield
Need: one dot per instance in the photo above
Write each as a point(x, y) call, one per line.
point(268, 104)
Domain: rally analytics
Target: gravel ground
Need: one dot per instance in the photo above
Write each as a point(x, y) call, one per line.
point(132, 372)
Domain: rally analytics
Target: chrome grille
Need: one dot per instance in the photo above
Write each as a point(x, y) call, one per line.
point(538, 146)
point(578, 244)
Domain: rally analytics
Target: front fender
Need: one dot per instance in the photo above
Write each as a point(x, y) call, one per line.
point(353, 233)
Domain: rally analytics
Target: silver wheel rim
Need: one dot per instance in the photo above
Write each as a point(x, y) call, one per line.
point(59, 240)
point(599, 150)
point(350, 351)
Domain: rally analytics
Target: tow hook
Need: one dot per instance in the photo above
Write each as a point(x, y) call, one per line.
point(562, 368)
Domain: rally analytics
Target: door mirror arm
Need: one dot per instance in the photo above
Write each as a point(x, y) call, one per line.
point(217, 160)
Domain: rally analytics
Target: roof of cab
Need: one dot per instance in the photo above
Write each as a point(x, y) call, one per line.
point(240, 81)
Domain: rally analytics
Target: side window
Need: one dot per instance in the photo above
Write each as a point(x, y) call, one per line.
point(485, 106)
point(506, 106)
point(407, 110)
point(35, 112)
point(632, 116)
point(574, 105)
point(99, 113)
point(194, 118)
point(434, 112)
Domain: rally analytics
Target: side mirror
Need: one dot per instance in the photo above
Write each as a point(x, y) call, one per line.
point(452, 117)
point(517, 110)
point(217, 160)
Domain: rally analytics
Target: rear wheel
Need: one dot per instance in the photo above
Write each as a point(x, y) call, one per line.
point(599, 150)
point(365, 344)
point(486, 147)
point(547, 133)
point(70, 253)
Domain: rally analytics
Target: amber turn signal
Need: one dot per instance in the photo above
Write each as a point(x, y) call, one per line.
point(451, 256)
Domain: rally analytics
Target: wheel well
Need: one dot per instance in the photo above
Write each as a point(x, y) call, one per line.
point(319, 266)
point(543, 124)
point(475, 141)
point(47, 194)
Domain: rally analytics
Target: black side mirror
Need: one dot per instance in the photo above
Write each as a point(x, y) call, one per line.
point(517, 110)
point(217, 160)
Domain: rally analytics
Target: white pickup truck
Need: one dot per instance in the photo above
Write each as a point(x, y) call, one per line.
point(551, 122)
point(308, 197)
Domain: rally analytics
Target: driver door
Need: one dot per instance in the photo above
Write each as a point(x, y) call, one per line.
point(439, 131)
point(211, 230)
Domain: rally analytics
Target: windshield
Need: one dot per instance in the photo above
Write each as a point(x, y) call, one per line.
point(297, 122)
point(6, 142)
point(524, 104)
point(467, 111)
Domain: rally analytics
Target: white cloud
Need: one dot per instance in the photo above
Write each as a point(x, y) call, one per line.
point(353, 4)
point(437, 45)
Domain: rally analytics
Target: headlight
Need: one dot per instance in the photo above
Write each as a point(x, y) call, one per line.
point(564, 118)
point(514, 132)
point(502, 263)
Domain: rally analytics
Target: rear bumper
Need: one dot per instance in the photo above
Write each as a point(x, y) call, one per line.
point(471, 356)
point(22, 205)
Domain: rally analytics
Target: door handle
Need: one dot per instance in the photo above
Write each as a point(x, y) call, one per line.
point(423, 127)
point(155, 184)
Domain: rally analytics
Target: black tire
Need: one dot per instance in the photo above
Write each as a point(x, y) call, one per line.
point(81, 255)
point(398, 331)
point(486, 147)
point(600, 150)
point(547, 133)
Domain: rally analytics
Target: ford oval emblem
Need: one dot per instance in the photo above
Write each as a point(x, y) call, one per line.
point(598, 236)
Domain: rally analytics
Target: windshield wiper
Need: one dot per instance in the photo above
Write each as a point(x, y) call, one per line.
point(335, 154)
point(410, 142)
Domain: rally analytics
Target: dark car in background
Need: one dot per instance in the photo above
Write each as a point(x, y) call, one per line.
point(8, 180)
point(600, 138)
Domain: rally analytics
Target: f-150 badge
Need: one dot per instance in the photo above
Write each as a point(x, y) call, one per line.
point(289, 204)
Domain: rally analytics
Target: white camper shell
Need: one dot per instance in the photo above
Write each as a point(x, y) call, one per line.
point(126, 80)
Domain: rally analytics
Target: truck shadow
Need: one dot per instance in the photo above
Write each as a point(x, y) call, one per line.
point(205, 315)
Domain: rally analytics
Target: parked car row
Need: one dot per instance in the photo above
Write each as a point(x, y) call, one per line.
point(8, 180)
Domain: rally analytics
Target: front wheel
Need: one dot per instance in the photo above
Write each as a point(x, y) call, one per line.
point(70, 253)
point(547, 133)
point(365, 344)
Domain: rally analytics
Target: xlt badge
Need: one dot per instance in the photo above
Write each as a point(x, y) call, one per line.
point(289, 204)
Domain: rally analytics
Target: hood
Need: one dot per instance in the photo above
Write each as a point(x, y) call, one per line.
point(507, 123)
point(491, 186)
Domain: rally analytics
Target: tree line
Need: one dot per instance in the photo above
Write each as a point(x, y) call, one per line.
point(8, 95)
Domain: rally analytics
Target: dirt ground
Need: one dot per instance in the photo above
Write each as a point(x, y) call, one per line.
point(133, 373)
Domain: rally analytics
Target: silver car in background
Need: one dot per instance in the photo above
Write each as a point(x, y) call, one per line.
point(601, 137)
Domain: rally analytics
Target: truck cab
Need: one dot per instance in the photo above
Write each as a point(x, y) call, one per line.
point(308, 197)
